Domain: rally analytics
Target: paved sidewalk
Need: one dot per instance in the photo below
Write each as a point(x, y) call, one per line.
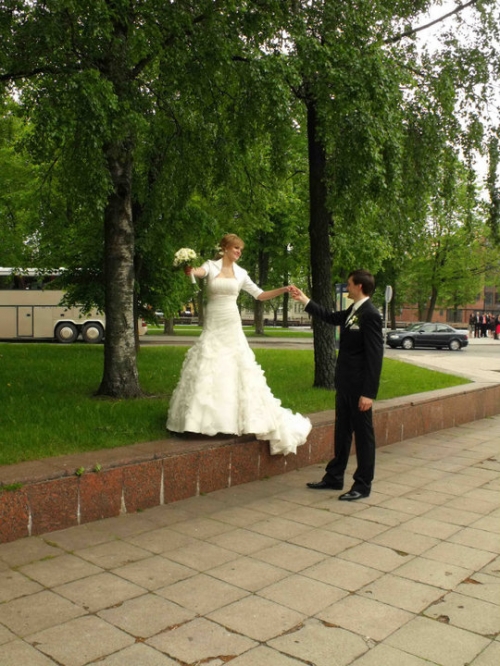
point(273, 574)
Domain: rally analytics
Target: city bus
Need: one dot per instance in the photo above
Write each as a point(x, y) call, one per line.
point(31, 310)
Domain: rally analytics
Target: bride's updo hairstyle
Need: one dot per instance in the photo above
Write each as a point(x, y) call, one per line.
point(227, 241)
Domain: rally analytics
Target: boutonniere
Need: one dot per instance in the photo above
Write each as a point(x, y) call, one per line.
point(353, 322)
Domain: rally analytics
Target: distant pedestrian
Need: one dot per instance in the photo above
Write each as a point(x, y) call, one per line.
point(484, 325)
point(472, 321)
point(477, 325)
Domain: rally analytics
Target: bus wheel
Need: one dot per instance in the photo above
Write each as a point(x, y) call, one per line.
point(66, 332)
point(92, 333)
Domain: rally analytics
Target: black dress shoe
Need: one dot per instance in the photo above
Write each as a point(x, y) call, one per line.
point(352, 495)
point(323, 485)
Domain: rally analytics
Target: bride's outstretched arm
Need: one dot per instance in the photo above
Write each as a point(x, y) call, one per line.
point(267, 295)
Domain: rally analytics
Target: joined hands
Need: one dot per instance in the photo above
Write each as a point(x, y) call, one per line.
point(298, 295)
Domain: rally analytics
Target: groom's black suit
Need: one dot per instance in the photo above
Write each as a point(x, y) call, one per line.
point(357, 373)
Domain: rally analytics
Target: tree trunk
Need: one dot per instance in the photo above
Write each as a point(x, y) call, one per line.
point(286, 295)
point(258, 314)
point(137, 271)
point(320, 224)
point(168, 326)
point(263, 269)
point(421, 311)
point(198, 300)
point(432, 304)
point(286, 301)
point(136, 320)
point(392, 309)
point(120, 377)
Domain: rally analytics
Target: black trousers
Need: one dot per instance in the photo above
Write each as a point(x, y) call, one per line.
point(350, 420)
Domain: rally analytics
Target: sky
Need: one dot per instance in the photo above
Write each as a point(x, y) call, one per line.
point(431, 38)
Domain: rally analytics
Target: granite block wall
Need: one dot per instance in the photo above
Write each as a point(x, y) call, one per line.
point(40, 497)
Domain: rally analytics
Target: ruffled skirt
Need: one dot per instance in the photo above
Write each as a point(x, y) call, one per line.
point(222, 389)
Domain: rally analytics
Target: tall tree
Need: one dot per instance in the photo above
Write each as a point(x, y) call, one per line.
point(447, 262)
point(494, 188)
point(91, 75)
point(358, 68)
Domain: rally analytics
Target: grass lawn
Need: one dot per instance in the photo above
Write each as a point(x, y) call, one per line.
point(48, 409)
point(269, 331)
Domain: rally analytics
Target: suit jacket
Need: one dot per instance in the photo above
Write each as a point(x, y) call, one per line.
point(361, 349)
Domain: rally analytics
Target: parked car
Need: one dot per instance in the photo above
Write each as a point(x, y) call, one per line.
point(428, 335)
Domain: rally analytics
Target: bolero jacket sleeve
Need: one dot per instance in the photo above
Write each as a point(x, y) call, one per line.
point(213, 268)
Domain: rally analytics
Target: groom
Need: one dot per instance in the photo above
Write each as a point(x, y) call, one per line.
point(357, 377)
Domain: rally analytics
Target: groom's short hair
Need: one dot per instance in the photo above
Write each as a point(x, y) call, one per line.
point(365, 279)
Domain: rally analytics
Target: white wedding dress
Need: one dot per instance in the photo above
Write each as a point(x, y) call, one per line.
point(222, 389)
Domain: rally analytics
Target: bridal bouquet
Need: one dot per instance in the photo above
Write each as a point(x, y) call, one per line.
point(185, 257)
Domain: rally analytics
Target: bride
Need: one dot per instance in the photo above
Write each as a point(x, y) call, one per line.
point(222, 389)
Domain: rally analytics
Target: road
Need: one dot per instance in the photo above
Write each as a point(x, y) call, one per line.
point(479, 361)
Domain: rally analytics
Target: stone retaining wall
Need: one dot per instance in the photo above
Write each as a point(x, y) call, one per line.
point(43, 496)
